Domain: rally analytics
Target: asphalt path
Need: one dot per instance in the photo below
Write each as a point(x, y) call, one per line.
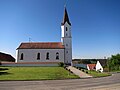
point(103, 83)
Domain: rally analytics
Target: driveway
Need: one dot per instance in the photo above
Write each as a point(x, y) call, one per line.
point(104, 83)
point(78, 72)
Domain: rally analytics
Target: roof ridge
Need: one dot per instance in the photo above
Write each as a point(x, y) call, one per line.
point(41, 42)
point(41, 45)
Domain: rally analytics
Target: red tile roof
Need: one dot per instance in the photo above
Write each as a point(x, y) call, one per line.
point(91, 66)
point(41, 45)
point(6, 57)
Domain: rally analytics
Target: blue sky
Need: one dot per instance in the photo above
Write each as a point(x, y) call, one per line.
point(95, 25)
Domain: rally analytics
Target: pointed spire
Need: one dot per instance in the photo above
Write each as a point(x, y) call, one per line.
point(65, 18)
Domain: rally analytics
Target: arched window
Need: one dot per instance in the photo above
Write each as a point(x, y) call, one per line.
point(47, 56)
point(57, 55)
point(38, 56)
point(66, 28)
point(66, 51)
point(66, 34)
point(66, 44)
point(21, 57)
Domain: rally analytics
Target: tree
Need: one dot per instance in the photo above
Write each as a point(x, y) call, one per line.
point(84, 62)
point(114, 62)
point(61, 64)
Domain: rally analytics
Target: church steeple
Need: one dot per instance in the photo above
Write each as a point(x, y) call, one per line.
point(65, 18)
point(66, 37)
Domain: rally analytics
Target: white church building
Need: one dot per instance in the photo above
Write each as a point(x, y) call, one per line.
point(48, 52)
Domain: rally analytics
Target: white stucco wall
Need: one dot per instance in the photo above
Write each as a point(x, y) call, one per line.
point(88, 67)
point(16, 56)
point(30, 55)
point(64, 32)
point(99, 67)
point(66, 39)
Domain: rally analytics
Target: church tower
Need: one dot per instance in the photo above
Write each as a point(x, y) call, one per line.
point(66, 37)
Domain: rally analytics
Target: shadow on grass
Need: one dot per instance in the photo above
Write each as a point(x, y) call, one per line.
point(4, 73)
point(3, 69)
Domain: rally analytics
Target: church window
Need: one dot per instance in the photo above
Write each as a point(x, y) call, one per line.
point(66, 51)
point(66, 44)
point(21, 57)
point(57, 56)
point(38, 56)
point(47, 56)
point(66, 28)
point(66, 34)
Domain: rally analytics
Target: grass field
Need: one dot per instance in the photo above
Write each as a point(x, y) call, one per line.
point(98, 74)
point(34, 73)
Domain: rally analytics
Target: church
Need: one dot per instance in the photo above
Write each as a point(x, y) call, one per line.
point(48, 52)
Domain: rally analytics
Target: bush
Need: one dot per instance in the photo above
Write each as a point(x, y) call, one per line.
point(71, 72)
point(106, 70)
point(83, 70)
point(61, 64)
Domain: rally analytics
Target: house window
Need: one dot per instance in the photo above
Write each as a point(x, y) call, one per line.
point(21, 57)
point(47, 56)
point(57, 56)
point(66, 28)
point(38, 56)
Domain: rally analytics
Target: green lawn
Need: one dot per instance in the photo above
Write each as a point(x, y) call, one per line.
point(98, 74)
point(34, 73)
point(117, 71)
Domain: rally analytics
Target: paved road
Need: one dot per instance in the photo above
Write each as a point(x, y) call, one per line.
point(104, 83)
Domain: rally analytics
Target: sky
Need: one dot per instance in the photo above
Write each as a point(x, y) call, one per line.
point(95, 25)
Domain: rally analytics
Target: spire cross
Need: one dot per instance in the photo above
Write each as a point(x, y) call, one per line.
point(29, 39)
point(65, 3)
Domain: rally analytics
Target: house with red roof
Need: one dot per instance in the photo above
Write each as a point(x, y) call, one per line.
point(96, 67)
point(91, 66)
point(48, 52)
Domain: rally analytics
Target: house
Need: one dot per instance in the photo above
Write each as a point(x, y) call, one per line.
point(99, 62)
point(97, 67)
point(103, 62)
point(91, 66)
point(50, 52)
point(6, 57)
